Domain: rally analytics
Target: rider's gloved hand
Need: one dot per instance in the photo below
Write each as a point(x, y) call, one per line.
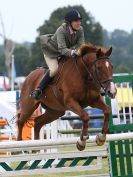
point(75, 53)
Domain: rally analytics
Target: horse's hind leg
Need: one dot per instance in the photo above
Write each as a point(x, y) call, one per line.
point(48, 117)
point(21, 119)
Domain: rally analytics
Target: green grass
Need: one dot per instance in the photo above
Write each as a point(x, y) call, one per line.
point(72, 174)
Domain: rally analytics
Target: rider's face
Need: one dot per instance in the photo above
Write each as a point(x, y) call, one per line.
point(76, 24)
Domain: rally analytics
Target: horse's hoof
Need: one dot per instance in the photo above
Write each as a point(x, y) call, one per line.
point(35, 151)
point(84, 138)
point(16, 153)
point(81, 145)
point(100, 139)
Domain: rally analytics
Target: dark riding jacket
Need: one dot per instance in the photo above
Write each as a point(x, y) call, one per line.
point(62, 42)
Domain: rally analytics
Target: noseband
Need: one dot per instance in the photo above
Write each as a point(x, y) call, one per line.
point(94, 75)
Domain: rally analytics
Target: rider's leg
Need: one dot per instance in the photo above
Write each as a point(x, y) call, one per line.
point(53, 67)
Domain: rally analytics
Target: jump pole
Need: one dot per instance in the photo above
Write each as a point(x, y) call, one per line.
point(39, 144)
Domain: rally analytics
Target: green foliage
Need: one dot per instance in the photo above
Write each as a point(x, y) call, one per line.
point(122, 69)
point(122, 56)
point(2, 63)
point(22, 59)
point(97, 35)
point(119, 38)
point(37, 58)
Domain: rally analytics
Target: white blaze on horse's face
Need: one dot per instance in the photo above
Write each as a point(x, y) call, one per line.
point(107, 64)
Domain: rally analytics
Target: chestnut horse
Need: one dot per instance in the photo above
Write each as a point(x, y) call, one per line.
point(78, 84)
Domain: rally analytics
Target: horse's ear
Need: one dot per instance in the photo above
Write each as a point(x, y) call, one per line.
point(98, 54)
point(108, 53)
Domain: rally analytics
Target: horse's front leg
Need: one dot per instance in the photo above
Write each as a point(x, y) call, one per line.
point(101, 138)
point(77, 109)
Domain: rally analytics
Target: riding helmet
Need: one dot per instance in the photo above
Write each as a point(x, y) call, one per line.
point(72, 16)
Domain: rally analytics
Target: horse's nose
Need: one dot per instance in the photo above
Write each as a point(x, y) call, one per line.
point(112, 88)
point(112, 94)
point(102, 92)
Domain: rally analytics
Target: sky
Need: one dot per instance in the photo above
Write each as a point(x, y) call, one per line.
point(23, 17)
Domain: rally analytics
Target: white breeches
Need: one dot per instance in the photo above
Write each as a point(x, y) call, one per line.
point(52, 64)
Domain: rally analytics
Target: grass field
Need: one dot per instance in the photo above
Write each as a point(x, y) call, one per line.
point(103, 171)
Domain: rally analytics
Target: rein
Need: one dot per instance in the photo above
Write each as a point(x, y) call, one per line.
point(94, 75)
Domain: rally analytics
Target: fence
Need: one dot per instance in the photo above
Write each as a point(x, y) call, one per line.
point(48, 160)
point(121, 151)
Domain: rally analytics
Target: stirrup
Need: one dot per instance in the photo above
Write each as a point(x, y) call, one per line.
point(36, 94)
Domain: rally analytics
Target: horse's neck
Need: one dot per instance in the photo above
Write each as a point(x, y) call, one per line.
point(86, 71)
point(71, 69)
point(78, 68)
point(68, 70)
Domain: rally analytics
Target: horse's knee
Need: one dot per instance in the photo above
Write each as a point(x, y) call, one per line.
point(38, 123)
point(21, 120)
point(18, 119)
point(107, 111)
point(84, 116)
point(38, 126)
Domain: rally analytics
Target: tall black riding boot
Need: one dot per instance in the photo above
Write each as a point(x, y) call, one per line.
point(36, 94)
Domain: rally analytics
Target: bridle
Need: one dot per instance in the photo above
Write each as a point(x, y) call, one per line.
point(94, 74)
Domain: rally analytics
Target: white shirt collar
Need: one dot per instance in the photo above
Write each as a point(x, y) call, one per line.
point(71, 30)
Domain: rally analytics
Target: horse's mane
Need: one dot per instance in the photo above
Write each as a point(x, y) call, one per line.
point(89, 48)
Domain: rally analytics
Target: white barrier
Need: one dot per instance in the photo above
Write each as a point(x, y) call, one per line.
point(40, 144)
point(47, 159)
point(53, 162)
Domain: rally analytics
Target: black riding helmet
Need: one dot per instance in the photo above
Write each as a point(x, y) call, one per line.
point(72, 16)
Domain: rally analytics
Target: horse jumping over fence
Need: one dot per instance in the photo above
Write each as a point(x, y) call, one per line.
point(78, 84)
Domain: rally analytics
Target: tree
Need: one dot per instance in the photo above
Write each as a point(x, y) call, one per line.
point(9, 46)
point(122, 43)
point(22, 60)
point(119, 38)
point(97, 34)
point(122, 69)
point(2, 61)
point(93, 30)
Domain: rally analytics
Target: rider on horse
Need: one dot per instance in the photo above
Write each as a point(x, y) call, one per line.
point(65, 42)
